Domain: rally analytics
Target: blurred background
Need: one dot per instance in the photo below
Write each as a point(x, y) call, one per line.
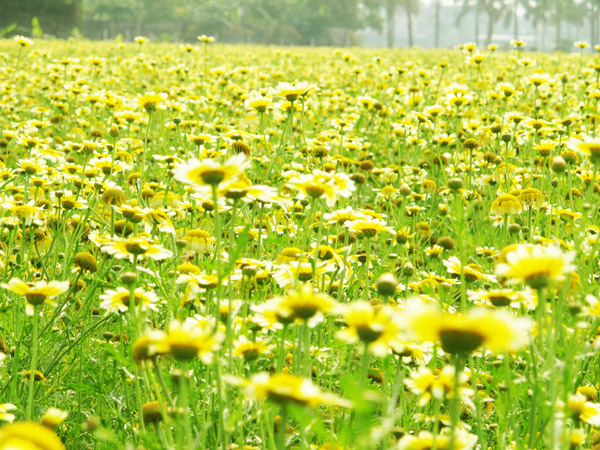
point(545, 25)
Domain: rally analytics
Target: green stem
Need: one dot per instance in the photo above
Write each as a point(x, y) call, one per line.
point(217, 223)
point(33, 366)
point(282, 428)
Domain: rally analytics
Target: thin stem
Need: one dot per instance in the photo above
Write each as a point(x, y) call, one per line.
point(33, 366)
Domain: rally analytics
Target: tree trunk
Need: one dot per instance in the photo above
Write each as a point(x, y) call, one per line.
point(543, 47)
point(516, 22)
point(490, 27)
point(438, 7)
point(558, 33)
point(476, 40)
point(138, 18)
point(391, 22)
point(593, 24)
point(596, 20)
point(409, 24)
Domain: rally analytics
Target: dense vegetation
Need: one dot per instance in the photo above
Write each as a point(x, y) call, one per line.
point(209, 246)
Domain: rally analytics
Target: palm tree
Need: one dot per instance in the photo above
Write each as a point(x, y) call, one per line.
point(390, 16)
point(411, 7)
point(593, 7)
point(491, 8)
point(538, 13)
point(436, 12)
point(564, 10)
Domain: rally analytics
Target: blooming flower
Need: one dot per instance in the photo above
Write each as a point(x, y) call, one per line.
point(118, 300)
point(536, 265)
point(292, 92)
point(495, 330)
point(30, 436)
point(285, 388)
point(376, 326)
point(36, 293)
point(210, 172)
point(135, 247)
point(4, 414)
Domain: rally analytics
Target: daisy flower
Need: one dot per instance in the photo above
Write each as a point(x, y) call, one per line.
point(536, 265)
point(209, 172)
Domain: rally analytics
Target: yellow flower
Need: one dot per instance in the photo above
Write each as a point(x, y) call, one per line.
point(201, 139)
point(150, 101)
point(472, 271)
point(287, 274)
point(141, 39)
point(4, 414)
point(28, 436)
point(194, 337)
point(26, 213)
point(291, 92)
point(206, 39)
point(495, 330)
point(588, 146)
point(23, 41)
point(119, 300)
point(209, 172)
point(249, 350)
point(504, 297)
point(531, 197)
point(506, 204)
point(135, 247)
point(428, 384)
point(53, 416)
point(199, 241)
point(284, 388)
point(36, 293)
point(583, 410)
point(536, 265)
point(545, 147)
point(376, 326)
point(463, 440)
point(304, 303)
point(320, 183)
point(260, 104)
point(368, 227)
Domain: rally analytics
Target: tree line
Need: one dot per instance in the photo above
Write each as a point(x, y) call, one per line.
point(295, 22)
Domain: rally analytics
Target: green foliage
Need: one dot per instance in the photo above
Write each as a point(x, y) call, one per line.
point(36, 29)
point(268, 21)
point(8, 29)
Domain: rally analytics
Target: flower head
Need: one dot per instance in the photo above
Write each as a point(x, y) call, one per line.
point(292, 92)
point(506, 204)
point(150, 101)
point(536, 265)
point(375, 326)
point(194, 337)
point(29, 436)
point(588, 146)
point(495, 330)
point(36, 293)
point(23, 41)
point(285, 388)
point(4, 414)
point(135, 247)
point(209, 172)
point(304, 303)
point(463, 440)
point(119, 300)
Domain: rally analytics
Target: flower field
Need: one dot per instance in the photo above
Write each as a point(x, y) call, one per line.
point(243, 247)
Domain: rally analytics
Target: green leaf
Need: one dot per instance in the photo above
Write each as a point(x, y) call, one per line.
point(8, 29)
point(36, 30)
